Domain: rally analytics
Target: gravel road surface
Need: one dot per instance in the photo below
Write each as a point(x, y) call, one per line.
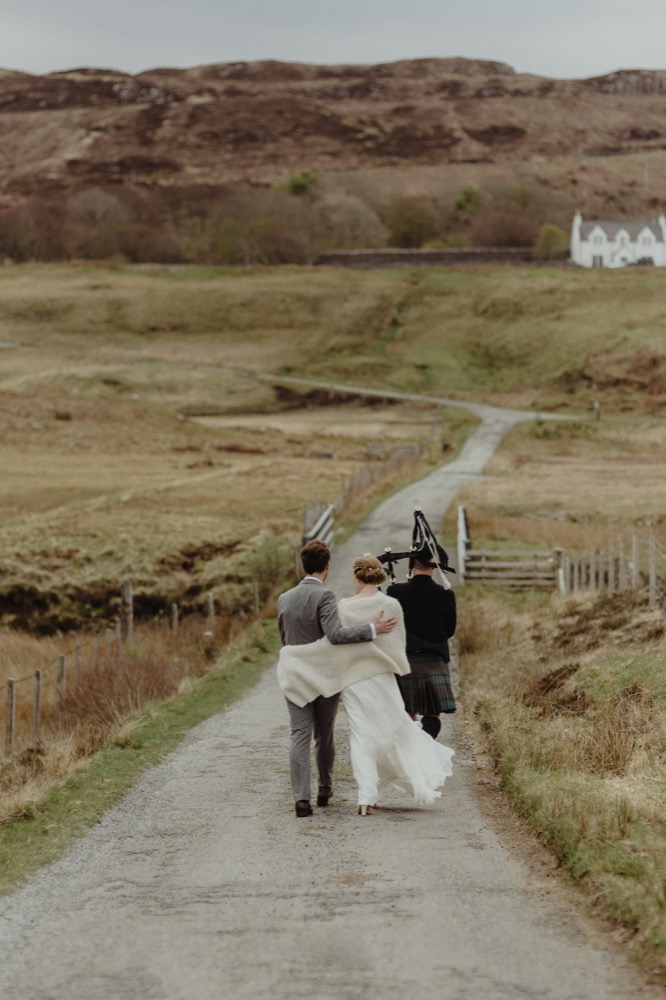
point(202, 884)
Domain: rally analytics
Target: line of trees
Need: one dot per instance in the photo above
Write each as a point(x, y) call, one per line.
point(245, 224)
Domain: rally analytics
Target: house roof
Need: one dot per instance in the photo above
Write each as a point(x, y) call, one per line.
point(611, 229)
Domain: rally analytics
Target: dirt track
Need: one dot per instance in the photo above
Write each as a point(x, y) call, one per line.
point(202, 884)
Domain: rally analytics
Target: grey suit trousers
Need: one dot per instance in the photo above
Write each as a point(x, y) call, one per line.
point(306, 613)
point(317, 717)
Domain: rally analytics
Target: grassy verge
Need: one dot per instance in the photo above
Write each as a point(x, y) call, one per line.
point(68, 809)
point(569, 696)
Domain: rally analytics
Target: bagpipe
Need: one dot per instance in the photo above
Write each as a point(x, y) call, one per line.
point(425, 548)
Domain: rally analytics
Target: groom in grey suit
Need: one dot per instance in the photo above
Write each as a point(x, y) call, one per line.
point(306, 613)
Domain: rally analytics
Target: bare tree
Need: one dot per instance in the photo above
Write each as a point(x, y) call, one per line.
point(346, 222)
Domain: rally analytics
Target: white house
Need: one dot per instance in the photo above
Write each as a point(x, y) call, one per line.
point(616, 244)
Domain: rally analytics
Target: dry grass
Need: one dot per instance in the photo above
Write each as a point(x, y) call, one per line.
point(138, 440)
point(24, 784)
point(104, 699)
point(569, 696)
point(107, 472)
point(573, 485)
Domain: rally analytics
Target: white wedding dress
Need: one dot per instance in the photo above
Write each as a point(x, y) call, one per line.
point(389, 750)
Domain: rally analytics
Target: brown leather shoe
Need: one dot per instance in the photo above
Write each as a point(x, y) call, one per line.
point(303, 808)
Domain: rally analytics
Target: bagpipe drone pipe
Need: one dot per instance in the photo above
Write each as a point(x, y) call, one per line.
point(425, 548)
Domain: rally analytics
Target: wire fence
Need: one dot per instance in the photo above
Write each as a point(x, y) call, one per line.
point(375, 471)
point(637, 563)
point(40, 704)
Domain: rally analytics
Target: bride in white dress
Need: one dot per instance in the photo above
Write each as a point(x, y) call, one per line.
point(389, 750)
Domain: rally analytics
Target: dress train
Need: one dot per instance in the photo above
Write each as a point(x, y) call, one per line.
point(389, 750)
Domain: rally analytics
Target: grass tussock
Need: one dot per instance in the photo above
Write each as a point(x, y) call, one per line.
point(570, 698)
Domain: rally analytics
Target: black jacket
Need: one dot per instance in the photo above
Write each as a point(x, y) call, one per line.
point(430, 613)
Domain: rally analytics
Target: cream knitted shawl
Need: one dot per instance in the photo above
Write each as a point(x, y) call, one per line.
point(322, 668)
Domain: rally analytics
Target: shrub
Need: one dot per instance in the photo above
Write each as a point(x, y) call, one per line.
point(345, 222)
point(468, 201)
point(303, 184)
point(551, 242)
point(262, 227)
point(503, 228)
point(34, 232)
point(271, 565)
point(411, 222)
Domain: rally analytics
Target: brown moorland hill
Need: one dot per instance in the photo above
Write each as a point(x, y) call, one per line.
point(261, 121)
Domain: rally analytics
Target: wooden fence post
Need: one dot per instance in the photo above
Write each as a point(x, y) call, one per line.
point(11, 717)
point(211, 610)
point(611, 569)
point(60, 687)
point(174, 620)
point(320, 524)
point(621, 567)
point(128, 611)
point(635, 559)
point(558, 570)
point(564, 574)
point(652, 571)
point(37, 708)
point(464, 542)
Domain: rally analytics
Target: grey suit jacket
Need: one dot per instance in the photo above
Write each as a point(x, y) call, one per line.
point(309, 611)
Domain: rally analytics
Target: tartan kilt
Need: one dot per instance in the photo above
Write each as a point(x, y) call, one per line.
point(427, 690)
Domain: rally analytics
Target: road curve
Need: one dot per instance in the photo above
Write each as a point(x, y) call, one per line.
point(202, 884)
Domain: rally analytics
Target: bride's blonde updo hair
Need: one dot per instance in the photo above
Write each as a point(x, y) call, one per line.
point(368, 569)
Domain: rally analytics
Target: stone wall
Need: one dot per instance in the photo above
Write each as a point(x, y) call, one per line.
point(433, 258)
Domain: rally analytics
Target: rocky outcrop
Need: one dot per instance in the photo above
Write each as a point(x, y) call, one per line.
point(264, 120)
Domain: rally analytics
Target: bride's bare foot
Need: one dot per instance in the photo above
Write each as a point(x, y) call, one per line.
point(365, 810)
